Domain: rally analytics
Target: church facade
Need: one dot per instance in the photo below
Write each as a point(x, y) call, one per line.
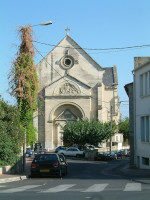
point(73, 85)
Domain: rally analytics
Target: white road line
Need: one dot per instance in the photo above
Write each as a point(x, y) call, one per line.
point(96, 188)
point(59, 188)
point(132, 187)
point(19, 189)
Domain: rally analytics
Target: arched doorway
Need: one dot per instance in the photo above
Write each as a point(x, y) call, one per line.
point(62, 114)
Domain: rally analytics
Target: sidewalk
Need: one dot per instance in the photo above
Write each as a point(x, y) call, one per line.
point(4, 178)
point(135, 172)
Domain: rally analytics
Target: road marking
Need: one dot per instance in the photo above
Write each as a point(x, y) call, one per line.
point(132, 187)
point(59, 188)
point(96, 188)
point(19, 189)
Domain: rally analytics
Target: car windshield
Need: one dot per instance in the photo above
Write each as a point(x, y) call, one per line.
point(46, 157)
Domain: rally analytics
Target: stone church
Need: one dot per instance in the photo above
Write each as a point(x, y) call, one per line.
point(73, 85)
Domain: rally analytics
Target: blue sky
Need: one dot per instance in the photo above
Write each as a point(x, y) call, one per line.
point(93, 24)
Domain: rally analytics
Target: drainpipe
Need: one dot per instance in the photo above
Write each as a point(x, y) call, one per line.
point(134, 115)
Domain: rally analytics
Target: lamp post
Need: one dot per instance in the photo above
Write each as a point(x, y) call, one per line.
point(43, 24)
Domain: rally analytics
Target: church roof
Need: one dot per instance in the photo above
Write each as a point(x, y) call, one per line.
point(110, 76)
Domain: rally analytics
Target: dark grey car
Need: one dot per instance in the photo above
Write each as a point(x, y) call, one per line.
point(48, 165)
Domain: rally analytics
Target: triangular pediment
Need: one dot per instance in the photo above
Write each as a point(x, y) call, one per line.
point(69, 78)
point(66, 115)
point(67, 86)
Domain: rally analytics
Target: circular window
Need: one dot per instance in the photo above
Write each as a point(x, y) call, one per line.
point(67, 62)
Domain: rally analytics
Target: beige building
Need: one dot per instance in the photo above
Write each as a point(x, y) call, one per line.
point(73, 85)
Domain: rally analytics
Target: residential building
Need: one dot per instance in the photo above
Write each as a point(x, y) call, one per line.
point(140, 107)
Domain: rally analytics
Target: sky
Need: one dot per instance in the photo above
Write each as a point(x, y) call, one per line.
point(93, 24)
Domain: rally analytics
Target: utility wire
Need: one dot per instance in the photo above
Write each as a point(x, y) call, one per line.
point(67, 80)
point(96, 49)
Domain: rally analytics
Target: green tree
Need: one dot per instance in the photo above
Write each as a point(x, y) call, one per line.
point(86, 131)
point(24, 81)
point(123, 127)
point(11, 134)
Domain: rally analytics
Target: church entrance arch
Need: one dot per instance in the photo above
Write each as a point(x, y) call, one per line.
point(62, 114)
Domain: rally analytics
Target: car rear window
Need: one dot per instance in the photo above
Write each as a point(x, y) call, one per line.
point(46, 157)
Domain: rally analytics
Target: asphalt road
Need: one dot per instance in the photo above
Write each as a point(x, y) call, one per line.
point(94, 180)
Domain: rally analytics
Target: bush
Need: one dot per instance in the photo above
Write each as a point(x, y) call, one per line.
point(11, 134)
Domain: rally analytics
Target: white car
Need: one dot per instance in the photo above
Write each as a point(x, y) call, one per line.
point(72, 151)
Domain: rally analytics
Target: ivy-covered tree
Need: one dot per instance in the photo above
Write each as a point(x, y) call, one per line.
point(11, 134)
point(24, 81)
point(85, 131)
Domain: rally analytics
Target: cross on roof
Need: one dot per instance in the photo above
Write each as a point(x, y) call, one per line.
point(67, 30)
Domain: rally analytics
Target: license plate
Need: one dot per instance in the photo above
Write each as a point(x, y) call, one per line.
point(44, 170)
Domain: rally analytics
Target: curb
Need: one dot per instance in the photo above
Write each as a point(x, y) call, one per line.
point(18, 178)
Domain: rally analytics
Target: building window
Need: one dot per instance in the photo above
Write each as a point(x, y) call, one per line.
point(141, 85)
point(117, 139)
point(145, 129)
point(145, 161)
point(145, 84)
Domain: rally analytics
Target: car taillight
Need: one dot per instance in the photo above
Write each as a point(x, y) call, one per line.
point(33, 165)
point(55, 164)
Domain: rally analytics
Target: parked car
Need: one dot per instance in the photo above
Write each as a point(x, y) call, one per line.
point(60, 148)
point(112, 155)
point(37, 146)
point(48, 165)
point(29, 152)
point(101, 156)
point(40, 151)
point(72, 151)
point(91, 147)
point(119, 154)
point(125, 152)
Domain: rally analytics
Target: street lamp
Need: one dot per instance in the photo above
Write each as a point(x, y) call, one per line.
point(43, 24)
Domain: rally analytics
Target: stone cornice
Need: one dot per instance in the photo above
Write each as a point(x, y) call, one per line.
point(67, 97)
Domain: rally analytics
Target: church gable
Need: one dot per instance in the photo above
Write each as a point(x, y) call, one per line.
point(67, 86)
point(68, 57)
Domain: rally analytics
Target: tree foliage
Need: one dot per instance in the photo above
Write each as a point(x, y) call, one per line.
point(124, 128)
point(86, 131)
point(24, 80)
point(11, 134)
